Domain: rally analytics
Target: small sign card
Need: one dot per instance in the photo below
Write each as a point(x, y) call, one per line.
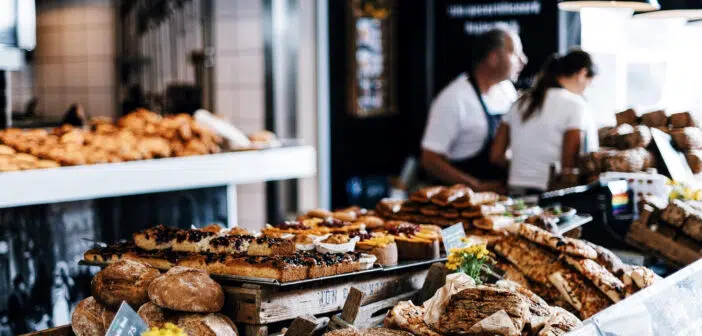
point(452, 236)
point(127, 323)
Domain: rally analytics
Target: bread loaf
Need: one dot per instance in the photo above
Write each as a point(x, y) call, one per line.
point(687, 138)
point(694, 159)
point(655, 119)
point(155, 316)
point(627, 117)
point(640, 136)
point(207, 325)
point(87, 318)
point(681, 120)
point(188, 290)
point(125, 280)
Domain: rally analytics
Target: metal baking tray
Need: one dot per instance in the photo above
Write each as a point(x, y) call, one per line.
point(223, 278)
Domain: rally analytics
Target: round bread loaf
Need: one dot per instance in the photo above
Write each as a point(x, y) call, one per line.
point(107, 316)
point(188, 290)
point(87, 318)
point(125, 280)
point(207, 325)
point(155, 316)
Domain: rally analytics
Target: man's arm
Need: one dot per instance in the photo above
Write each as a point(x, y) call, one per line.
point(498, 152)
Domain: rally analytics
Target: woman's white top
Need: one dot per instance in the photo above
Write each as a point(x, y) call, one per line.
point(538, 142)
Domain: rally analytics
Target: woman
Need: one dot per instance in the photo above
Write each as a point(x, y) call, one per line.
point(547, 124)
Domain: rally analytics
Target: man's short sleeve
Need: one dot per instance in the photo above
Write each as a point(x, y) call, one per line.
point(443, 125)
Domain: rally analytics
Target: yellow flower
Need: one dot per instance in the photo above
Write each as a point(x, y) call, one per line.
point(169, 329)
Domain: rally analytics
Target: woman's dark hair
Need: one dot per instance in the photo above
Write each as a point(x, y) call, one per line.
point(74, 116)
point(555, 67)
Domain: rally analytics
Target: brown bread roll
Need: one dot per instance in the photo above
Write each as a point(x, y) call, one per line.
point(207, 325)
point(87, 318)
point(188, 290)
point(681, 120)
point(627, 117)
point(107, 316)
point(655, 119)
point(125, 280)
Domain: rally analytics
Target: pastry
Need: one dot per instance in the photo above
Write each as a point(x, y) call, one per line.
point(188, 290)
point(533, 261)
point(448, 195)
point(560, 322)
point(380, 245)
point(124, 280)
point(425, 195)
point(413, 241)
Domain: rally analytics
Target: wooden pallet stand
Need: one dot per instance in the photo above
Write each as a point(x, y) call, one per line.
point(256, 306)
point(677, 254)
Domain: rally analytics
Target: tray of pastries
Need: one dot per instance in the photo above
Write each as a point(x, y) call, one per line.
point(140, 135)
point(320, 244)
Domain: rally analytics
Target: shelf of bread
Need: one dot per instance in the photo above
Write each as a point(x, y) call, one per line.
point(72, 183)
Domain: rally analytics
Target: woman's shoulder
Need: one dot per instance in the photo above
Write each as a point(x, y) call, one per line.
point(562, 98)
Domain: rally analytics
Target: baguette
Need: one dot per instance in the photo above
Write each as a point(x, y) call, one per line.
point(566, 245)
point(600, 277)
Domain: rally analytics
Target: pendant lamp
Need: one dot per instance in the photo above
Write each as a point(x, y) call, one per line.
point(686, 9)
point(636, 5)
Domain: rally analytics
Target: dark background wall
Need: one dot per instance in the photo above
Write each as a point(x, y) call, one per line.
point(433, 47)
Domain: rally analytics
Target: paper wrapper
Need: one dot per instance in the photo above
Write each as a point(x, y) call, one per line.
point(436, 306)
point(311, 246)
point(498, 323)
point(337, 248)
point(367, 261)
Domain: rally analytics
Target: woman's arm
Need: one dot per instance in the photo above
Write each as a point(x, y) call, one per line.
point(571, 148)
point(498, 151)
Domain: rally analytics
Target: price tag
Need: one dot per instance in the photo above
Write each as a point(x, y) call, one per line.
point(127, 323)
point(452, 236)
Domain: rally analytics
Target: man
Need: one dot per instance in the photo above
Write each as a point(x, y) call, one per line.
point(464, 116)
point(18, 306)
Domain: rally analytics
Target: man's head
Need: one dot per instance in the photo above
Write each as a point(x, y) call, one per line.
point(499, 52)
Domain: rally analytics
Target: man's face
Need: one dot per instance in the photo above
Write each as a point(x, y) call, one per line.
point(510, 59)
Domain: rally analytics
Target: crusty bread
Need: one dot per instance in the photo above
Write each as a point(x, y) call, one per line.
point(125, 280)
point(406, 316)
point(107, 316)
point(425, 195)
point(188, 290)
point(207, 325)
point(155, 316)
point(87, 318)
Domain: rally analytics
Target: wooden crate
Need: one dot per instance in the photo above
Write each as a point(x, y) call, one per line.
point(58, 331)
point(259, 305)
point(665, 247)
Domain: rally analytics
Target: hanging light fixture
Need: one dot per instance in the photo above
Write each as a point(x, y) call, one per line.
point(686, 9)
point(636, 5)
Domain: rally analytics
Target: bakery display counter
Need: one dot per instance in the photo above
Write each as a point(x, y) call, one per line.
point(63, 184)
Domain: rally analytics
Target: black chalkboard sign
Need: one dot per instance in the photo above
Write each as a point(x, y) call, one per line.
point(457, 21)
